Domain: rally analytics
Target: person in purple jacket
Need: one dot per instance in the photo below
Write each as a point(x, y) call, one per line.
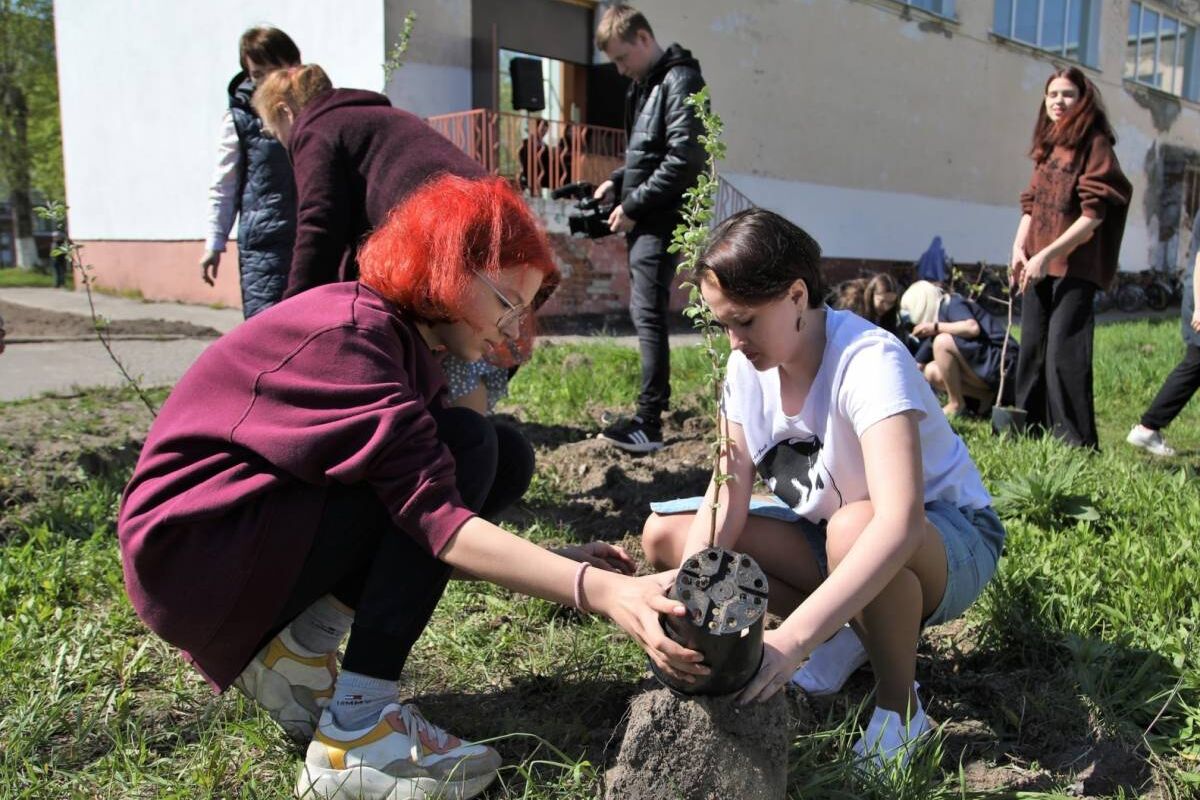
point(305, 479)
point(355, 157)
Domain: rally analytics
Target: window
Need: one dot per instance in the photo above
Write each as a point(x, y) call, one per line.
point(943, 8)
point(1067, 28)
point(1160, 51)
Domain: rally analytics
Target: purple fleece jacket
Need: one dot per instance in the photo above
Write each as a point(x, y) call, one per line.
point(355, 157)
point(330, 387)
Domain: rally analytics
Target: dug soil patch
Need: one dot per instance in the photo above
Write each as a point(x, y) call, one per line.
point(25, 322)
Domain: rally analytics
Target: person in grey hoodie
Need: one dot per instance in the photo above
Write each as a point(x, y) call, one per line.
point(662, 161)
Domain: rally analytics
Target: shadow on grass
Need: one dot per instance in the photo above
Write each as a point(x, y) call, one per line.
point(577, 716)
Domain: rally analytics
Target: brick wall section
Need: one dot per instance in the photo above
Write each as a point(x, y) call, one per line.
point(596, 271)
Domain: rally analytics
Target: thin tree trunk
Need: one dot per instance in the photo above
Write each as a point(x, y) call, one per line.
point(22, 204)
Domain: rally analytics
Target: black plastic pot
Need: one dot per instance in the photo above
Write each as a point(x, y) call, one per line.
point(725, 594)
point(1006, 419)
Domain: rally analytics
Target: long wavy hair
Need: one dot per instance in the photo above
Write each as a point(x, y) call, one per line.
point(1086, 116)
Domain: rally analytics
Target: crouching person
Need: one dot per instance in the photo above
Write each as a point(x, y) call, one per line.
point(879, 517)
point(305, 480)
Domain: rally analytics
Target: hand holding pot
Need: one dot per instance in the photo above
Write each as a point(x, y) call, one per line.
point(781, 658)
point(635, 606)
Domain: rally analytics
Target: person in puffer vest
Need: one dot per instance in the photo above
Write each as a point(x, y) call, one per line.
point(253, 181)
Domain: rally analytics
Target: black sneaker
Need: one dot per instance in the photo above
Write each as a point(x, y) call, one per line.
point(634, 435)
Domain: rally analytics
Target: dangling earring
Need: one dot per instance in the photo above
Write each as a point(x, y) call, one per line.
point(800, 323)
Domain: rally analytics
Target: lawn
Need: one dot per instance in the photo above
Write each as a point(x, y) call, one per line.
point(12, 277)
point(1077, 674)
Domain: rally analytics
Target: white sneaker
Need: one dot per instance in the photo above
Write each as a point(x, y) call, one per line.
point(831, 664)
point(888, 741)
point(293, 684)
point(403, 756)
point(1152, 441)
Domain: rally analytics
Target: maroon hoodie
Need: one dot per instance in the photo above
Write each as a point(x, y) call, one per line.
point(355, 157)
point(332, 387)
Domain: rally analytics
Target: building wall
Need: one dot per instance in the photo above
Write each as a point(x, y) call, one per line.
point(142, 88)
point(874, 127)
point(436, 76)
point(878, 128)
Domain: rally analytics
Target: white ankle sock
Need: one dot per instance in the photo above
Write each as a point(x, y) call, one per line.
point(358, 699)
point(832, 663)
point(322, 626)
point(888, 737)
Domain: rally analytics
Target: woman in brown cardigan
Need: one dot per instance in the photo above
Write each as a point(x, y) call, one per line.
point(1066, 247)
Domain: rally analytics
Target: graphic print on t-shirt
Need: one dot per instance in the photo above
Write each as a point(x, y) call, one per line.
point(792, 469)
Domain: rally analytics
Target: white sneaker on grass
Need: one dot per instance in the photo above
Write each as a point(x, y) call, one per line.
point(831, 664)
point(402, 756)
point(293, 684)
point(1151, 441)
point(890, 742)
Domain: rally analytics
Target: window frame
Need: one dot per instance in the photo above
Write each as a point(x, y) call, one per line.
point(1089, 34)
point(1187, 52)
point(945, 10)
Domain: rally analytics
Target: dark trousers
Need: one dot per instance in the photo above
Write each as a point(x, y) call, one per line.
point(1176, 391)
point(651, 274)
point(1054, 369)
point(391, 582)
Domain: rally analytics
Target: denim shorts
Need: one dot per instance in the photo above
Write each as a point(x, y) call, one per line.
point(973, 538)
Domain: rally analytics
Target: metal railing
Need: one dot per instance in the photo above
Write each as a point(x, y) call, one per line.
point(728, 202)
point(537, 154)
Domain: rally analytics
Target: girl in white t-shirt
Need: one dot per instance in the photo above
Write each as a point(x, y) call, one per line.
point(878, 515)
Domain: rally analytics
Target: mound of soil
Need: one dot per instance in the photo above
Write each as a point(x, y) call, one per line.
point(603, 493)
point(706, 748)
point(24, 322)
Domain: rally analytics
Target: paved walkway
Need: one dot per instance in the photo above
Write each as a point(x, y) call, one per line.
point(38, 368)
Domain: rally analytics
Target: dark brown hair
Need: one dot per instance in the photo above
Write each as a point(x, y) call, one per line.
point(1081, 119)
point(756, 255)
point(620, 21)
point(270, 47)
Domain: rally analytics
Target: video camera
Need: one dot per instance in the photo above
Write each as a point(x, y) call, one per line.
point(590, 216)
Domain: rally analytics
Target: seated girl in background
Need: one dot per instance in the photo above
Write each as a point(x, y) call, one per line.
point(879, 519)
point(961, 346)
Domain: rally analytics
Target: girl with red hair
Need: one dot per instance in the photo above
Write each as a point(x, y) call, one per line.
point(1066, 247)
point(306, 479)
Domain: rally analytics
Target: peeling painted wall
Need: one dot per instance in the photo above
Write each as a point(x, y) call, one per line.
point(866, 104)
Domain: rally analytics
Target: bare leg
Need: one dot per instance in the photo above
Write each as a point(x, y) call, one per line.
point(890, 624)
point(934, 376)
point(950, 371)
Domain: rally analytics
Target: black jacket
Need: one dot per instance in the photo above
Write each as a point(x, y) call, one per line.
point(267, 206)
point(664, 155)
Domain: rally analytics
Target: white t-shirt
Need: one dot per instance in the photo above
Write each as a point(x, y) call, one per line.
point(813, 461)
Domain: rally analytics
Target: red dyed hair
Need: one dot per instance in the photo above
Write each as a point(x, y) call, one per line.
point(1081, 119)
point(423, 258)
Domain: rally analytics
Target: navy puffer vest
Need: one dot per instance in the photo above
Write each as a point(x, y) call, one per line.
point(267, 216)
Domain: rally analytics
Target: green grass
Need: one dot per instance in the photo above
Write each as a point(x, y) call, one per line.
point(1088, 629)
point(12, 277)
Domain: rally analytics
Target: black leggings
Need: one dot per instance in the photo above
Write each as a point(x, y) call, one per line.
point(391, 582)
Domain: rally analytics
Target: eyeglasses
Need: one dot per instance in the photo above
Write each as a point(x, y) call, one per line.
point(510, 321)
